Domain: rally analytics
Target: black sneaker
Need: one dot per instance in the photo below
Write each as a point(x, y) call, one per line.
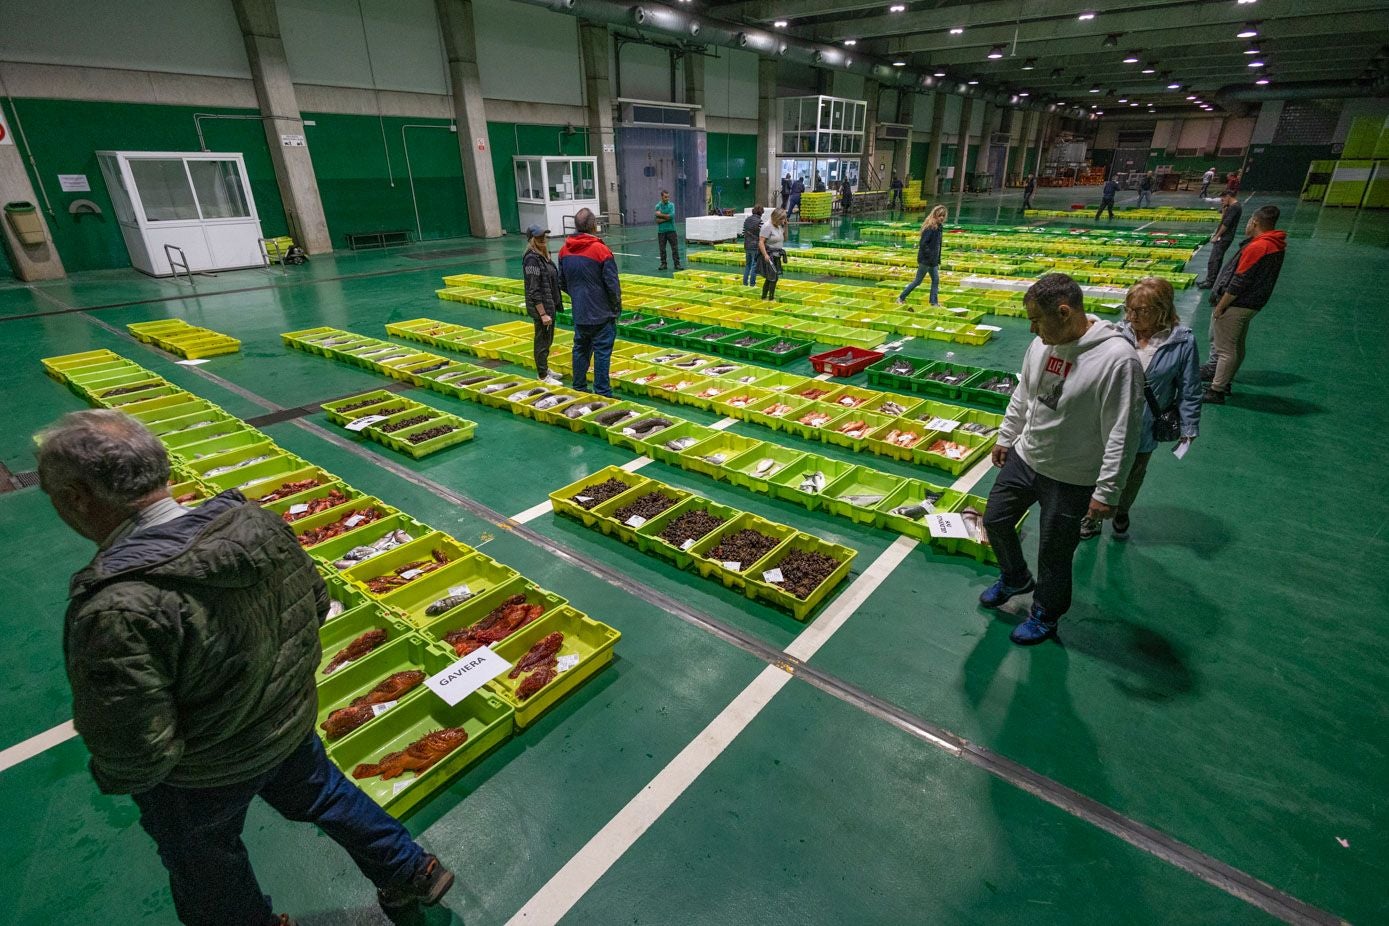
point(1121, 527)
point(1204, 285)
point(1213, 397)
point(1089, 528)
point(662, 267)
point(426, 888)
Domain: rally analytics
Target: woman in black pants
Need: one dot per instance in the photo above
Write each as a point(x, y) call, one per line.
point(543, 299)
point(771, 239)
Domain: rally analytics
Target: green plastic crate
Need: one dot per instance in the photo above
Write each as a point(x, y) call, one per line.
point(758, 586)
point(477, 575)
point(648, 538)
point(479, 606)
point(728, 445)
point(742, 469)
point(859, 481)
point(786, 484)
point(592, 641)
point(730, 576)
point(561, 499)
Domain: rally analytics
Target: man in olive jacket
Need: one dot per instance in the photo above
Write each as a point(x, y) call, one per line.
point(191, 645)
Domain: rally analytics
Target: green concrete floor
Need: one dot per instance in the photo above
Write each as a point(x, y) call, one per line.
point(1217, 682)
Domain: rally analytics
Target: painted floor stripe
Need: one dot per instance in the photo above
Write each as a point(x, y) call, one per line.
point(633, 465)
point(724, 424)
point(553, 901)
point(972, 476)
point(531, 513)
point(34, 745)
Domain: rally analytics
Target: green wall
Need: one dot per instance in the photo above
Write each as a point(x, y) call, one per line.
point(365, 180)
point(66, 134)
point(731, 157)
point(1281, 167)
point(508, 139)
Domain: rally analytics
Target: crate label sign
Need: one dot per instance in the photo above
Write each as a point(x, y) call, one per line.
point(565, 663)
point(378, 709)
point(636, 520)
point(773, 576)
point(732, 566)
point(366, 421)
point(298, 509)
point(467, 675)
point(688, 543)
point(354, 521)
point(942, 424)
point(949, 526)
point(74, 183)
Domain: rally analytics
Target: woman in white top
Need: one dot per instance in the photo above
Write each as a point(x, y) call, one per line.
point(1171, 372)
point(771, 241)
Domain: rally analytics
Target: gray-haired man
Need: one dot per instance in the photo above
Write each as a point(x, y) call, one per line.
point(191, 644)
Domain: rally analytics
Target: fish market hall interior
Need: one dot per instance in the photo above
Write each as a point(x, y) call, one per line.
point(732, 643)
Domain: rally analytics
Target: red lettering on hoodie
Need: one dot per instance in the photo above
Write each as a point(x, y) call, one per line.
point(1058, 367)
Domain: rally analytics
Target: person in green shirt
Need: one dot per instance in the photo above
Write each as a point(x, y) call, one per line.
point(665, 229)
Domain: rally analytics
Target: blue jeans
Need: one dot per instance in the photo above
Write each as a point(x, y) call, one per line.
point(1017, 489)
point(596, 342)
point(198, 835)
point(921, 271)
point(750, 270)
point(1145, 198)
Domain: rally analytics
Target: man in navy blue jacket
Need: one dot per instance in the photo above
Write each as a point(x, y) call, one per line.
point(588, 273)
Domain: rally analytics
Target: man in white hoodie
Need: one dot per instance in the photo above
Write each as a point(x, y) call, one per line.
point(1067, 443)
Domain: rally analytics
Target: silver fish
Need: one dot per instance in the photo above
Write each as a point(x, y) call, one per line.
point(446, 604)
point(223, 470)
point(335, 608)
point(550, 401)
point(527, 394)
point(498, 387)
point(681, 443)
point(892, 408)
point(587, 408)
point(863, 501)
point(980, 429)
point(812, 483)
point(717, 458)
point(914, 512)
point(974, 523)
point(765, 467)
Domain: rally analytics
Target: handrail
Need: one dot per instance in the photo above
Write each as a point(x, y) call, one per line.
point(181, 262)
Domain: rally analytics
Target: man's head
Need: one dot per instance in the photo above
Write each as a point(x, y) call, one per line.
point(665, 196)
point(1056, 308)
point(1228, 197)
point(585, 222)
point(1264, 219)
point(98, 467)
point(758, 210)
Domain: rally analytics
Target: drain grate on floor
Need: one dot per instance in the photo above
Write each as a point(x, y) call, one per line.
point(12, 482)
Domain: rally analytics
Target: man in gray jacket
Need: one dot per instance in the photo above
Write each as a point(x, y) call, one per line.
point(1067, 443)
point(191, 644)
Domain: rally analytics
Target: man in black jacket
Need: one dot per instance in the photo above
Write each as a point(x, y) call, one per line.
point(1230, 215)
point(1244, 288)
point(1111, 188)
point(751, 226)
point(1029, 186)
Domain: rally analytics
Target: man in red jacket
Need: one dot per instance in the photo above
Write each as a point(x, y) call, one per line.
point(1244, 287)
point(588, 273)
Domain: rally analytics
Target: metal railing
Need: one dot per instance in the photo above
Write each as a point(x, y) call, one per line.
point(181, 261)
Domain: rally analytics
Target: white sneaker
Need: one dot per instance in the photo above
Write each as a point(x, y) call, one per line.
point(552, 379)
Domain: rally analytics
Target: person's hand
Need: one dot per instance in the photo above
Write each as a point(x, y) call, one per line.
point(546, 320)
point(1099, 510)
point(1217, 311)
point(1000, 455)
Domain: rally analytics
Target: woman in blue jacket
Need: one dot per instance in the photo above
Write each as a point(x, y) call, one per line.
point(928, 256)
point(1171, 368)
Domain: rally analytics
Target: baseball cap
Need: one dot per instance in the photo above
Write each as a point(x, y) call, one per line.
point(535, 231)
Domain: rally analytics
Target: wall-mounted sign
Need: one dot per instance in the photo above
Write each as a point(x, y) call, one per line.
point(5, 137)
point(74, 183)
point(294, 141)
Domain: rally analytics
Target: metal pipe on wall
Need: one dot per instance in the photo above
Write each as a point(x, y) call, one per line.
point(409, 172)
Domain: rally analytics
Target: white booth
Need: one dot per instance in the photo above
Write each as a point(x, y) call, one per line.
point(177, 208)
point(550, 190)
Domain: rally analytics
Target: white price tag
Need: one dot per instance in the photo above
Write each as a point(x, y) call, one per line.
point(635, 520)
point(378, 709)
point(460, 591)
point(773, 576)
point(353, 521)
point(298, 509)
point(191, 363)
point(988, 327)
point(565, 663)
point(582, 498)
point(411, 574)
point(467, 675)
point(687, 544)
point(736, 567)
point(402, 785)
point(365, 422)
point(628, 432)
point(341, 665)
point(942, 424)
point(950, 526)
point(1180, 450)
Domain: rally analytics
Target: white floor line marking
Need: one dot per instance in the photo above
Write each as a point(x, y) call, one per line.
point(972, 475)
point(723, 424)
point(823, 376)
point(36, 744)
point(568, 885)
point(572, 882)
point(634, 465)
point(1145, 225)
point(531, 513)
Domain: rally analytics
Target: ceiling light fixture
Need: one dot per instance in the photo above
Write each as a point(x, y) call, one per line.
point(958, 30)
point(1133, 104)
point(940, 73)
point(897, 8)
point(1085, 16)
point(1262, 81)
point(1095, 89)
point(851, 42)
point(973, 83)
point(1255, 64)
point(1249, 31)
point(996, 52)
point(1251, 51)
point(1244, 2)
point(779, 24)
point(1174, 86)
point(1123, 99)
point(1131, 58)
point(1029, 64)
point(1025, 93)
point(899, 64)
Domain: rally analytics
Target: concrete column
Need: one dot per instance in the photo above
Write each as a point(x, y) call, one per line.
point(694, 88)
point(932, 178)
point(1029, 120)
point(986, 129)
point(961, 167)
point(474, 150)
point(31, 262)
point(868, 178)
point(902, 154)
point(284, 128)
point(768, 180)
point(594, 40)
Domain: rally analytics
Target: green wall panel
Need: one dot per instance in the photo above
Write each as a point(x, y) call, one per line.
point(66, 134)
point(374, 173)
point(916, 167)
point(732, 157)
point(1280, 167)
point(509, 139)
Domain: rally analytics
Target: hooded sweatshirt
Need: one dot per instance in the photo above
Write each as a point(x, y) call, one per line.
point(191, 648)
point(1251, 276)
point(1076, 413)
point(588, 273)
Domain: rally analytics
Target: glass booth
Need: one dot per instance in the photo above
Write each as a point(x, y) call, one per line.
point(195, 206)
point(821, 138)
point(549, 191)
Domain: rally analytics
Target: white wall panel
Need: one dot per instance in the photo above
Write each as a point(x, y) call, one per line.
point(730, 84)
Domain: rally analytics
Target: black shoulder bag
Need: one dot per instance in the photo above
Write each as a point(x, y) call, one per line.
point(1167, 425)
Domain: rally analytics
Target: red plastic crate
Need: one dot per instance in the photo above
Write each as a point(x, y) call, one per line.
point(845, 361)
